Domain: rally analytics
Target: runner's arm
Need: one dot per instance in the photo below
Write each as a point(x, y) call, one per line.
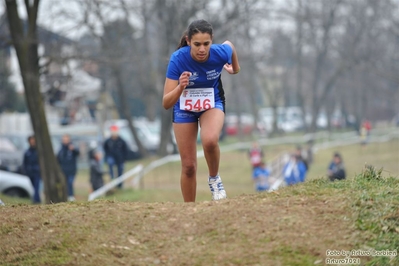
point(234, 58)
point(173, 89)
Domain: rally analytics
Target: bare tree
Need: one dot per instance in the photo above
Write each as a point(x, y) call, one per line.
point(117, 41)
point(299, 59)
point(272, 86)
point(26, 44)
point(115, 36)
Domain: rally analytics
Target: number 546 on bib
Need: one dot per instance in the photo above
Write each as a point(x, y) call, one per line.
point(197, 100)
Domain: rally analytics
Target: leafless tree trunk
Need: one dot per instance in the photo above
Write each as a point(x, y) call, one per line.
point(299, 58)
point(252, 71)
point(26, 45)
point(125, 109)
point(273, 88)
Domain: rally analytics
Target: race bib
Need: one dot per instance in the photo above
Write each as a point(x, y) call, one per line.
point(197, 100)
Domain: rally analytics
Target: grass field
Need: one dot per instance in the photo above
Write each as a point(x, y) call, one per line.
point(163, 183)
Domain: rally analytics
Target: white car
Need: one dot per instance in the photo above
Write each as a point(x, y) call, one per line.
point(148, 132)
point(15, 185)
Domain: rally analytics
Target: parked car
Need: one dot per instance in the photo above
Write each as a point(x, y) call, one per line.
point(148, 132)
point(266, 118)
point(155, 128)
point(10, 157)
point(293, 119)
point(15, 185)
point(19, 140)
point(232, 124)
point(321, 122)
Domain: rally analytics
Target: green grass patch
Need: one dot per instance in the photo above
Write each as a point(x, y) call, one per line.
point(289, 255)
point(376, 213)
point(14, 200)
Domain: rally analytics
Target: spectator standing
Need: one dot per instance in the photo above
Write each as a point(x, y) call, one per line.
point(96, 172)
point(300, 156)
point(255, 155)
point(67, 158)
point(260, 177)
point(116, 151)
point(365, 132)
point(363, 135)
point(309, 152)
point(294, 171)
point(336, 170)
point(32, 168)
point(367, 125)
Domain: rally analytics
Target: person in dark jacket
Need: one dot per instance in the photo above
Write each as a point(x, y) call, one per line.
point(32, 168)
point(336, 170)
point(96, 172)
point(116, 150)
point(300, 156)
point(67, 158)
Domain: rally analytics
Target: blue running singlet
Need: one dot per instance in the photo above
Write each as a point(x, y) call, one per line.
point(204, 75)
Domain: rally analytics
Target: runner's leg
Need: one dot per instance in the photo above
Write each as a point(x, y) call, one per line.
point(186, 138)
point(211, 123)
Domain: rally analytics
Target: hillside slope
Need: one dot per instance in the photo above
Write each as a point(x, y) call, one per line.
point(294, 226)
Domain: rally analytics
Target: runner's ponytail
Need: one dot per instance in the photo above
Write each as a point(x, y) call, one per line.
point(183, 41)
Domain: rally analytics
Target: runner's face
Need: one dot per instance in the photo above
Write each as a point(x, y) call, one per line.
point(200, 44)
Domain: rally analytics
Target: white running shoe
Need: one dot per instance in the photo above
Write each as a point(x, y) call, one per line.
point(217, 189)
point(71, 198)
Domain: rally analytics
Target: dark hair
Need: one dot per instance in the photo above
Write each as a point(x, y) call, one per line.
point(298, 147)
point(337, 155)
point(195, 27)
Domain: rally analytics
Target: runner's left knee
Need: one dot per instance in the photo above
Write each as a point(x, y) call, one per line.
point(210, 142)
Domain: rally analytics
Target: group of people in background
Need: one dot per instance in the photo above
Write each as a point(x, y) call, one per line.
point(294, 171)
point(115, 149)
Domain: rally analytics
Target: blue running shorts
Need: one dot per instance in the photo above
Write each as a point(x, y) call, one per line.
point(182, 116)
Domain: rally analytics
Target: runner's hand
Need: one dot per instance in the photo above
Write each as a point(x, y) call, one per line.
point(184, 79)
point(229, 68)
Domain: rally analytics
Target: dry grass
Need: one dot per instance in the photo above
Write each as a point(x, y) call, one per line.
point(294, 226)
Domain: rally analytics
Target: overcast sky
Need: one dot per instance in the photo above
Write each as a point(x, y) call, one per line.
point(47, 16)
point(49, 11)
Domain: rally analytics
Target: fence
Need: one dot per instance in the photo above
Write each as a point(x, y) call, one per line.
point(323, 140)
point(137, 181)
point(107, 187)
